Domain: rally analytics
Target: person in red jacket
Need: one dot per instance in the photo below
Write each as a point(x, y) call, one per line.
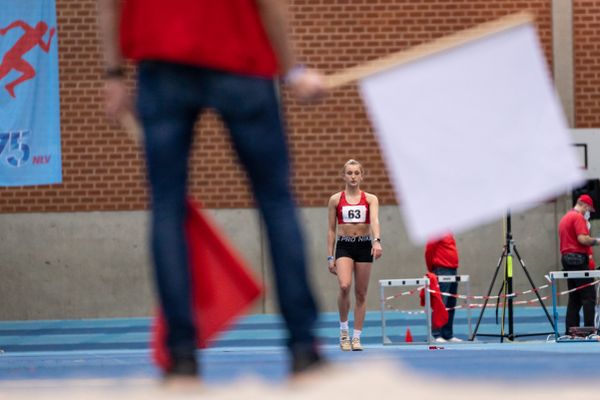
point(575, 244)
point(441, 258)
point(228, 56)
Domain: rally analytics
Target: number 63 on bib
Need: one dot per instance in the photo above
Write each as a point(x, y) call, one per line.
point(354, 214)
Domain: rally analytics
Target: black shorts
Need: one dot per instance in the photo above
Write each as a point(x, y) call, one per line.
point(358, 248)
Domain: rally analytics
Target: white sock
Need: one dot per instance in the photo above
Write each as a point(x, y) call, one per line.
point(356, 334)
point(344, 326)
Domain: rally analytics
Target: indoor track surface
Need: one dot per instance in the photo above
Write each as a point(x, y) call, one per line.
point(109, 354)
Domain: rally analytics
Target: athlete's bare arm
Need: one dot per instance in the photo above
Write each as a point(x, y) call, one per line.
point(375, 228)
point(306, 85)
point(331, 225)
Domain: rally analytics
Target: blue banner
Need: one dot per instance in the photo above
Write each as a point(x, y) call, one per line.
point(29, 97)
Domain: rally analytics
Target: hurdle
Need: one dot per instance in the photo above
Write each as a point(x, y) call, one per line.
point(556, 275)
point(388, 283)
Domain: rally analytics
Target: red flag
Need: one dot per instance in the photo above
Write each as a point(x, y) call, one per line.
point(439, 314)
point(222, 287)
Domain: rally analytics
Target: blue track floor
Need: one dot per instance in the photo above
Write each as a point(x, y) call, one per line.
point(117, 348)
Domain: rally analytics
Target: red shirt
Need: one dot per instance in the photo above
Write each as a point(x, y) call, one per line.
point(441, 253)
point(353, 213)
point(221, 34)
point(572, 225)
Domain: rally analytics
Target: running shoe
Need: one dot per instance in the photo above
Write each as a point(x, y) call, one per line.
point(356, 346)
point(454, 339)
point(345, 341)
point(440, 340)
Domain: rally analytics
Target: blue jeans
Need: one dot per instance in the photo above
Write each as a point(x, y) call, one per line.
point(170, 97)
point(450, 302)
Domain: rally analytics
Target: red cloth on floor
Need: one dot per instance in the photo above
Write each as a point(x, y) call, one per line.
point(222, 287)
point(439, 314)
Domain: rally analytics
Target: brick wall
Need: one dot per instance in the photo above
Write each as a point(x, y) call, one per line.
point(586, 39)
point(102, 167)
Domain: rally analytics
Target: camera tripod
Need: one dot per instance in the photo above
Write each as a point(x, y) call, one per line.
point(509, 251)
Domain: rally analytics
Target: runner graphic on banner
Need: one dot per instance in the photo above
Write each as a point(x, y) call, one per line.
point(29, 96)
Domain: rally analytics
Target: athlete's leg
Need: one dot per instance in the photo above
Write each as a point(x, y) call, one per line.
point(27, 72)
point(344, 267)
point(362, 274)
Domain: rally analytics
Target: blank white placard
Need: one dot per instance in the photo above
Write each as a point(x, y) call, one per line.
point(470, 132)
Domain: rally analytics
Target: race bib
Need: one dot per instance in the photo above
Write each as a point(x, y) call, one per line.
point(354, 214)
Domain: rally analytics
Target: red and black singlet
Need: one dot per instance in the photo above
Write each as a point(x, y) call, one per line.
point(353, 213)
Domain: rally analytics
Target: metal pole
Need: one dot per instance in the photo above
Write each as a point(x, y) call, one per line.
point(382, 302)
point(488, 295)
point(509, 276)
point(537, 294)
point(468, 288)
point(428, 311)
point(554, 310)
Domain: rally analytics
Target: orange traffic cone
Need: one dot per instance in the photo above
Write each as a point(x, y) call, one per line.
point(409, 338)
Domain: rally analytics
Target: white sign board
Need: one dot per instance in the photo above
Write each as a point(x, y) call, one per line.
point(587, 148)
point(470, 132)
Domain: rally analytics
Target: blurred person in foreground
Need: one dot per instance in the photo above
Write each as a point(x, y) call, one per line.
point(225, 55)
